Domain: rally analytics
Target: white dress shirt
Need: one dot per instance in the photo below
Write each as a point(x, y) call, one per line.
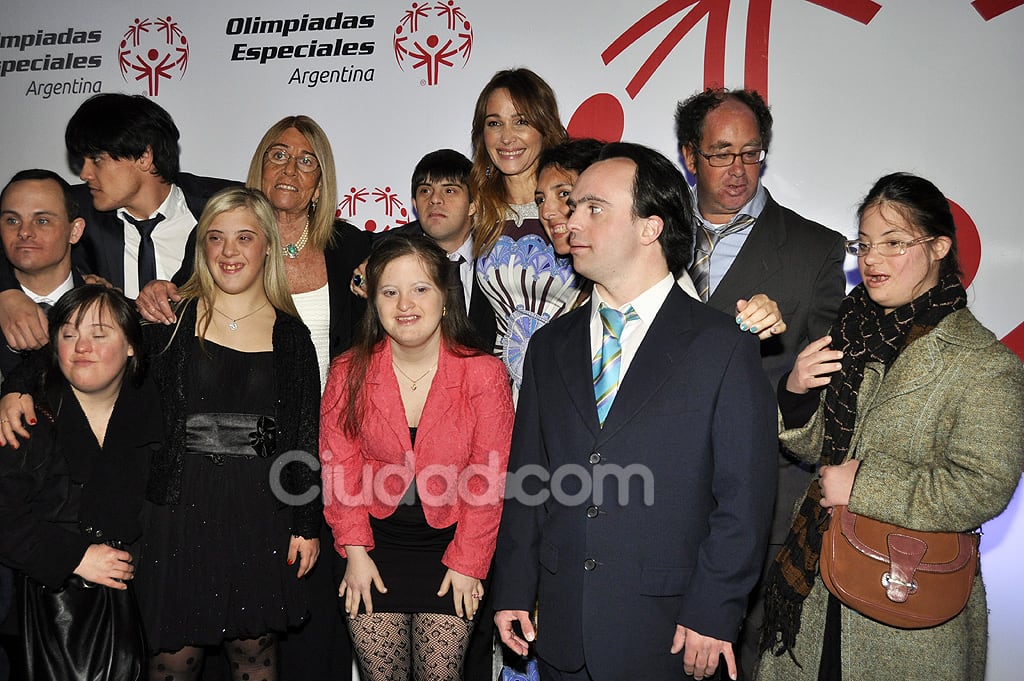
point(169, 239)
point(646, 305)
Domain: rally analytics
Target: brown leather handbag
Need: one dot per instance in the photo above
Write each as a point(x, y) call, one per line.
point(900, 577)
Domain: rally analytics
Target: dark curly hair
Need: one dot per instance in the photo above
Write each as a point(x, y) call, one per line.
point(690, 114)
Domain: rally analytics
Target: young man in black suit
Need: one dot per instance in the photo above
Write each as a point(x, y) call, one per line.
point(444, 206)
point(642, 470)
point(140, 208)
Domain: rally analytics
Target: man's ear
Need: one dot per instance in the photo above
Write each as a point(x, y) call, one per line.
point(651, 230)
point(145, 162)
point(689, 158)
point(77, 228)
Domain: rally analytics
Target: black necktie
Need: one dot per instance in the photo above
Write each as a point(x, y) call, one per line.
point(147, 252)
point(456, 278)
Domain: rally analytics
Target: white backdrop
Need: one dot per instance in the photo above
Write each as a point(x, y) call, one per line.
point(858, 89)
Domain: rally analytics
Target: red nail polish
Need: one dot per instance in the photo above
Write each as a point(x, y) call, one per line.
point(291, 562)
point(32, 422)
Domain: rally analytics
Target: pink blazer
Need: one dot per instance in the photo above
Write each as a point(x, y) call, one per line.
point(459, 460)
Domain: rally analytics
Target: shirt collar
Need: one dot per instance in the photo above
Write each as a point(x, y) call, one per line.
point(646, 305)
point(465, 250)
point(173, 205)
point(752, 207)
point(54, 295)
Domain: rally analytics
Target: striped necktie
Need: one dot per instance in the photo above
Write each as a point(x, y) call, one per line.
point(606, 362)
point(700, 270)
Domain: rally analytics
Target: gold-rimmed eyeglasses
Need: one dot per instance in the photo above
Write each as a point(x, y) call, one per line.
point(307, 163)
point(886, 249)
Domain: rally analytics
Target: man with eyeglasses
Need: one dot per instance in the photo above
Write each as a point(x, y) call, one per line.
point(141, 210)
point(746, 243)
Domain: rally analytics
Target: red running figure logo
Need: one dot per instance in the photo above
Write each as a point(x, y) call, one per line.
point(431, 36)
point(387, 207)
point(153, 50)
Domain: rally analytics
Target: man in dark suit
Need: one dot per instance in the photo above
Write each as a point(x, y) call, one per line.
point(444, 206)
point(643, 457)
point(39, 222)
point(746, 243)
point(141, 210)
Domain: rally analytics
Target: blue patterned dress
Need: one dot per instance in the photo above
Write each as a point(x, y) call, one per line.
point(527, 284)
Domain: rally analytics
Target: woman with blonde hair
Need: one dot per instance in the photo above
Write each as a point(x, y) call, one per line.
point(293, 165)
point(233, 525)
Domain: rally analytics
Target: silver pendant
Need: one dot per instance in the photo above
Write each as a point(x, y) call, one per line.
point(233, 326)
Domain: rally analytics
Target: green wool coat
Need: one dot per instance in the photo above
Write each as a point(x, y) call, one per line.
point(940, 440)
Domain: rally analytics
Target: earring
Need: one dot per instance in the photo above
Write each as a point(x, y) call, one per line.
point(444, 310)
point(312, 207)
point(487, 173)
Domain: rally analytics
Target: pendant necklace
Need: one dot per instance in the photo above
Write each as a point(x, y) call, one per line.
point(292, 250)
point(233, 323)
point(412, 381)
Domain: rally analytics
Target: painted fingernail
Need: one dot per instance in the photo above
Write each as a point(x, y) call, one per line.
point(743, 327)
point(739, 320)
point(291, 561)
point(753, 329)
point(31, 422)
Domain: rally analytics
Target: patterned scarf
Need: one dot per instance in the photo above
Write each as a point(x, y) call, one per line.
point(865, 334)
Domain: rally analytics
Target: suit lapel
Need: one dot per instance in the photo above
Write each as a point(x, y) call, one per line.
point(663, 345)
point(756, 262)
point(112, 252)
point(574, 365)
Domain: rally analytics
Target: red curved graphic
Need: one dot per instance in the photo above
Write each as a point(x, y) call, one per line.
point(599, 116)
point(717, 12)
point(968, 241)
point(858, 10)
point(990, 9)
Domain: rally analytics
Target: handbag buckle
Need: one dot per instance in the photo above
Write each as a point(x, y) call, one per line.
point(888, 579)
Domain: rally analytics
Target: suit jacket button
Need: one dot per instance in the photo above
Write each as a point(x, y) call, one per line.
point(589, 564)
point(592, 512)
point(595, 458)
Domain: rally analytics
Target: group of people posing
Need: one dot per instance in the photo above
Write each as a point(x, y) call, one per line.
point(577, 406)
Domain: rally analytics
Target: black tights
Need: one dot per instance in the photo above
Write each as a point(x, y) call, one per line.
point(252, 659)
point(390, 645)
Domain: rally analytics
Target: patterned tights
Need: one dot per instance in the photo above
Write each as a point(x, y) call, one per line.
point(390, 645)
point(253, 659)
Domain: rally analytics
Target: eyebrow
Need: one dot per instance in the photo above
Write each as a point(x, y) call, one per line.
point(282, 145)
point(890, 232)
point(8, 211)
point(589, 198)
point(723, 144)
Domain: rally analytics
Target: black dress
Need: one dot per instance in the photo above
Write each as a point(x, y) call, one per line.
point(407, 552)
point(214, 566)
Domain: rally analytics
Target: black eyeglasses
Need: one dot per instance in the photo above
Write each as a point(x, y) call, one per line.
point(725, 158)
